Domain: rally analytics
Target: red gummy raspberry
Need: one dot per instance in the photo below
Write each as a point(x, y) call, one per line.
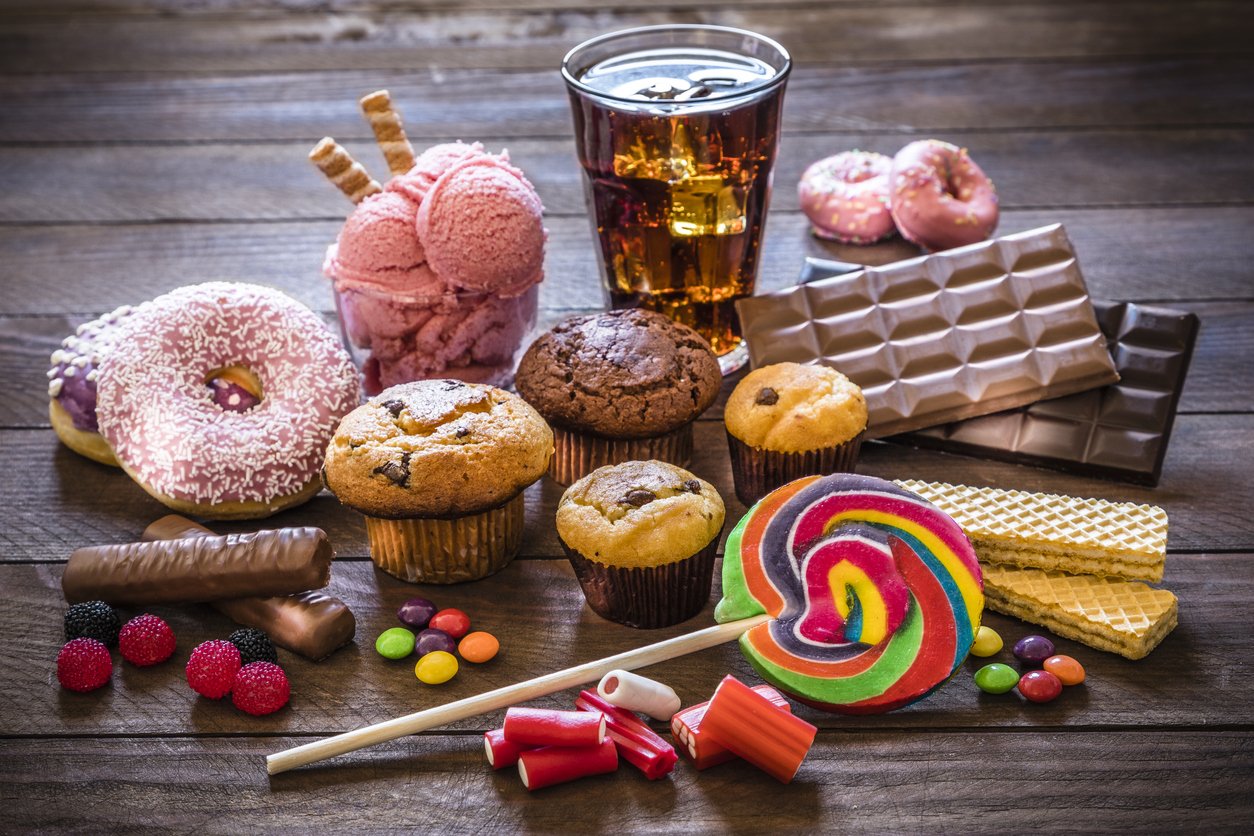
point(84, 665)
point(260, 688)
point(212, 668)
point(146, 640)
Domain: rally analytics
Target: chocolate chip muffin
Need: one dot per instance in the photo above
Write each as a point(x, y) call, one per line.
point(642, 537)
point(619, 386)
point(786, 421)
point(439, 467)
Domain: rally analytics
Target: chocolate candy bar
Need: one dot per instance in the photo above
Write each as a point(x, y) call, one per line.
point(275, 562)
point(947, 336)
point(1115, 432)
point(312, 624)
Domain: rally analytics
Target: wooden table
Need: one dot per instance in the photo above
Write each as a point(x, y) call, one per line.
point(151, 145)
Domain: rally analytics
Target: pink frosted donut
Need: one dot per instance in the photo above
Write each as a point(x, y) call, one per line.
point(846, 197)
point(939, 197)
point(195, 446)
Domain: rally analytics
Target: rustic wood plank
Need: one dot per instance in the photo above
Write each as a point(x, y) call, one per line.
point(1137, 254)
point(95, 504)
point(537, 610)
point(398, 39)
point(436, 104)
point(1032, 170)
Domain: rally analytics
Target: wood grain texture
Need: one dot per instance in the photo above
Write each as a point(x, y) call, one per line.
point(435, 104)
point(398, 39)
point(537, 610)
point(276, 182)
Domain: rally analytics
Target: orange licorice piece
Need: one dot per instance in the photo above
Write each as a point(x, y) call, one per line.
point(753, 727)
point(697, 745)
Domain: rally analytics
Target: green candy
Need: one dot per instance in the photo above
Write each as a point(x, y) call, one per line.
point(996, 678)
point(396, 643)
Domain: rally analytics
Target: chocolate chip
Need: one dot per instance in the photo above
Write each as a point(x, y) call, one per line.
point(397, 472)
point(639, 497)
point(462, 432)
point(394, 407)
point(767, 397)
point(692, 486)
point(450, 385)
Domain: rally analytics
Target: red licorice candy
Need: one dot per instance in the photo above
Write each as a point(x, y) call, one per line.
point(558, 764)
point(501, 753)
point(546, 727)
point(753, 727)
point(637, 744)
point(697, 744)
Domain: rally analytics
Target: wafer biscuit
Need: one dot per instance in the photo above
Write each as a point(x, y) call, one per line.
point(345, 173)
point(1123, 617)
point(389, 132)
point(1055, 533)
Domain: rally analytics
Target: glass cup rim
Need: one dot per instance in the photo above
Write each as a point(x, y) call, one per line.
point(775, 81)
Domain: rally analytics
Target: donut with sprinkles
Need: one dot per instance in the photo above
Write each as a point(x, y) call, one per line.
point(939, 197)
point(845, 196)
point(219, 399)
point(875, 594)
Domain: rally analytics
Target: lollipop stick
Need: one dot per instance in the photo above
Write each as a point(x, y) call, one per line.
point(507, 696)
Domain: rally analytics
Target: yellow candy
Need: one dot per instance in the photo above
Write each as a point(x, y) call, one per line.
point(436, 667)
point(986, 643)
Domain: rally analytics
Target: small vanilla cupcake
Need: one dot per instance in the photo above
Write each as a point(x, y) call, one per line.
point(439, 468)
point(642, 538)
point(786, 421)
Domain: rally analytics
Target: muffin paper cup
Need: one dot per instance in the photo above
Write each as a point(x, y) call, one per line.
point(576, 454)
point(657, 596)
point(757, 471)
point(443, 550)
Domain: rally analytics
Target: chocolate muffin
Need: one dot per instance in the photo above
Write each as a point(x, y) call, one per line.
point(618, 386)
point(785, 421)
point(642, 537)
point(439, 467)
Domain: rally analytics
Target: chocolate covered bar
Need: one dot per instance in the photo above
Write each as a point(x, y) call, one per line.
point(1114, 432)
point(277, 562)
point(312, 624)
point(947, 336)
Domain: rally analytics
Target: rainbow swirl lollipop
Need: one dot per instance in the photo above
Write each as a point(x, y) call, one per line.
point(875, 593)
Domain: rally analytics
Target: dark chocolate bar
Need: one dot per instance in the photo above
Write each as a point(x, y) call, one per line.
point(1116, 432)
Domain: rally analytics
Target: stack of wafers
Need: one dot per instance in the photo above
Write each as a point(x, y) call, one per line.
point(1074, 566)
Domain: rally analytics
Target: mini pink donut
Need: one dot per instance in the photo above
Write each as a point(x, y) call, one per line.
point(191, 449)
point(939, 197)
point(846, 197)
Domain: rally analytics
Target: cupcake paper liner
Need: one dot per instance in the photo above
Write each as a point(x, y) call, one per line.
point(578, 454)
point(757, 471)
point(447, 550)
point(657, 596)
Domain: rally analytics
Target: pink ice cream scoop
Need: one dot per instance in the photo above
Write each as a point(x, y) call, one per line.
point(433, 162)
point(379, 249)
point(480, 225)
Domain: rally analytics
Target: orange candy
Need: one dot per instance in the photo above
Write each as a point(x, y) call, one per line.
point(480, 647)
point(1068, 670)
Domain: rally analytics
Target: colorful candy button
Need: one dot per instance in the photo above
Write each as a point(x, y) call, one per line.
point(478, 647)
point(416, 612)
point(438, 667)
point(996, 678)
point(452, 621)
point(431, 640)
point(986, 643)
point(1040, 686)
point(396, 643)
point(1068, 670)
point(1032, 650)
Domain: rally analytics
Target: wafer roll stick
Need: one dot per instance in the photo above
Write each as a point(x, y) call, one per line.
point(345, 173)
point(389, 132)
point(312, 624)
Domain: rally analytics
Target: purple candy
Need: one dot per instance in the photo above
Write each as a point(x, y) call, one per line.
point(431, 640)
point(416, 612)
point(1033, 650)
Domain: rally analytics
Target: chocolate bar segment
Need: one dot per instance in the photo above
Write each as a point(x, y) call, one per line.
point(1114, 432)
point(947, 336)
point(277, 562)
point(312, 624)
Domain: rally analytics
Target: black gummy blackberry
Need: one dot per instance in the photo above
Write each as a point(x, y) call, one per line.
point(93, 620)
point(254, 646)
